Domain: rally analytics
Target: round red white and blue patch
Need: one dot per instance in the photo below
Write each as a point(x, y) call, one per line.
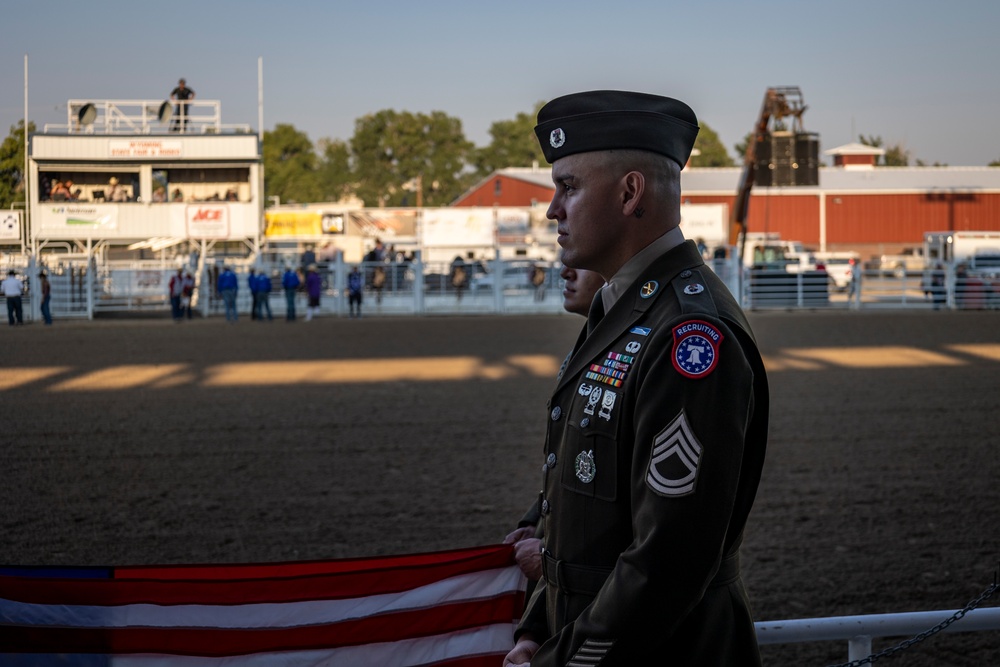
point(696, 348)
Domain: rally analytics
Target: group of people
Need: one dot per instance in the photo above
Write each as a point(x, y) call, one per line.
point(12, 288)
point(261, 286)
point(657, 424)
point(181, 288)
point(64, 191)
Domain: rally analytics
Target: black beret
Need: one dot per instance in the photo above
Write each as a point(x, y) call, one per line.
point(613, 119)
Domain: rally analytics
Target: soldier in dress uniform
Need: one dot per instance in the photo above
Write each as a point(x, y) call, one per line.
point(658, 424)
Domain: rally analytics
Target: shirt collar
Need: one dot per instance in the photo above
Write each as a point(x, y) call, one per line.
point(634, 267)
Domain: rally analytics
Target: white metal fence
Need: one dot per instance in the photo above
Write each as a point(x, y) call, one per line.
point(82, 289)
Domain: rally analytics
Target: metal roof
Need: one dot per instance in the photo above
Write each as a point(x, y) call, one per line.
point(881, 180)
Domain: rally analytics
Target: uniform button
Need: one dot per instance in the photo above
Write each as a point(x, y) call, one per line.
point(550, 461)
point(545, 507)
point(685, 274)
point(585, 422)
point(556, 412)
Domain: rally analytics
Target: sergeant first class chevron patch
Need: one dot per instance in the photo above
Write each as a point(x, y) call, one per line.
point(696, 348)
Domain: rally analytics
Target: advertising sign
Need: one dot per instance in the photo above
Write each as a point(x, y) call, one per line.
point(204, 221)
point(94, 216)
point(293, 223)
point(10, 226)
point(145, 148)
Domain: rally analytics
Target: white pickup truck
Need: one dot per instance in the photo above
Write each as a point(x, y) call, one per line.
point(908, 261)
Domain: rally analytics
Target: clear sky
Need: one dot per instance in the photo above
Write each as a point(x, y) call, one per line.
point(916, 72)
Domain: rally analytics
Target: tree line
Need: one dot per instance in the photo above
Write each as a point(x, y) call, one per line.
point(398, 158)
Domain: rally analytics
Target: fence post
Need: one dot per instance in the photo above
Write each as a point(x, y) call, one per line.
point(859, 647)
point(418, 282)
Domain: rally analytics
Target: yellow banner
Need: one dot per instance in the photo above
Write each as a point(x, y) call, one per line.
point(293, 223)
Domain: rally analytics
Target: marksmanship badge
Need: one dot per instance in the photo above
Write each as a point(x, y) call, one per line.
point(585, 468)
point(696, 348)
point(673, 466)
point(557, 138)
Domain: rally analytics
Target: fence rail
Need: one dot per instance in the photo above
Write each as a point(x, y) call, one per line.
point(859, 631)
point(81, 289)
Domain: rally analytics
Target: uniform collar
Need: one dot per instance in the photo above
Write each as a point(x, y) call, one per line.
point(634, 267)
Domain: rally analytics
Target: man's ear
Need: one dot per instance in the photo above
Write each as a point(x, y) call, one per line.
point(633, 187)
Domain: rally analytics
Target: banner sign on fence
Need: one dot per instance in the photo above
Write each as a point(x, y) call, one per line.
point(10, 226)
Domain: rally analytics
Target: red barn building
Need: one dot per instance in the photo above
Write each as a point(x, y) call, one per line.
point(856, 206)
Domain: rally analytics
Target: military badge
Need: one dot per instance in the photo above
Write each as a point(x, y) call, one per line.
point(585, 468)
point(694, 288)
point(696, 348)
point(673, 466)
point(593, 399)
point(607, 405)
point(557, 138)
point(649, 289)
point(642, 331)
point(633, 347)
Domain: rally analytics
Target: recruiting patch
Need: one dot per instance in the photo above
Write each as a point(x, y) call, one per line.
point(696, 348)
point(673, 466)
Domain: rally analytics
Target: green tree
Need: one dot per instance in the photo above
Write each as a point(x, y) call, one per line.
point(895, 155)
point(391, 149)
point(334, 174)
point(513, 144)
point(290, 166)
point(712, 152)
point(12, 181)
point(995, 163)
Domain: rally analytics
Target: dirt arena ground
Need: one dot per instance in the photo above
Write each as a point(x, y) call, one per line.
point(143, 441)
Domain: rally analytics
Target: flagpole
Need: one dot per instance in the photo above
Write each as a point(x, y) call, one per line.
point(24, 176)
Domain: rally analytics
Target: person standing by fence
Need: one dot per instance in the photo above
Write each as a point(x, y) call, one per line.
point(43, 281)
point(314, 286)
point(228, 287)
point(13, 288)
point(290, 283)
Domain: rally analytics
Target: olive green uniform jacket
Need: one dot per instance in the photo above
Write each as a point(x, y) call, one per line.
point(653, 453)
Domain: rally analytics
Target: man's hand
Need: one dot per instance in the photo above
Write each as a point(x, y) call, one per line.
point(519, 534)
point(520, 655)
point(528, 554)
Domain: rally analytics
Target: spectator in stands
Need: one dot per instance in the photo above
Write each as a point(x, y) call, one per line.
point(58, 191)
point(308, 257)
point(182, 94)
point(177, 195)
point(115, 191)
point(231, 195)
point(159, 195)
point(72, 192)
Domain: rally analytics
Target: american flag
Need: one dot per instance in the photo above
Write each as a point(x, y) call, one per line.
point(456, 608)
